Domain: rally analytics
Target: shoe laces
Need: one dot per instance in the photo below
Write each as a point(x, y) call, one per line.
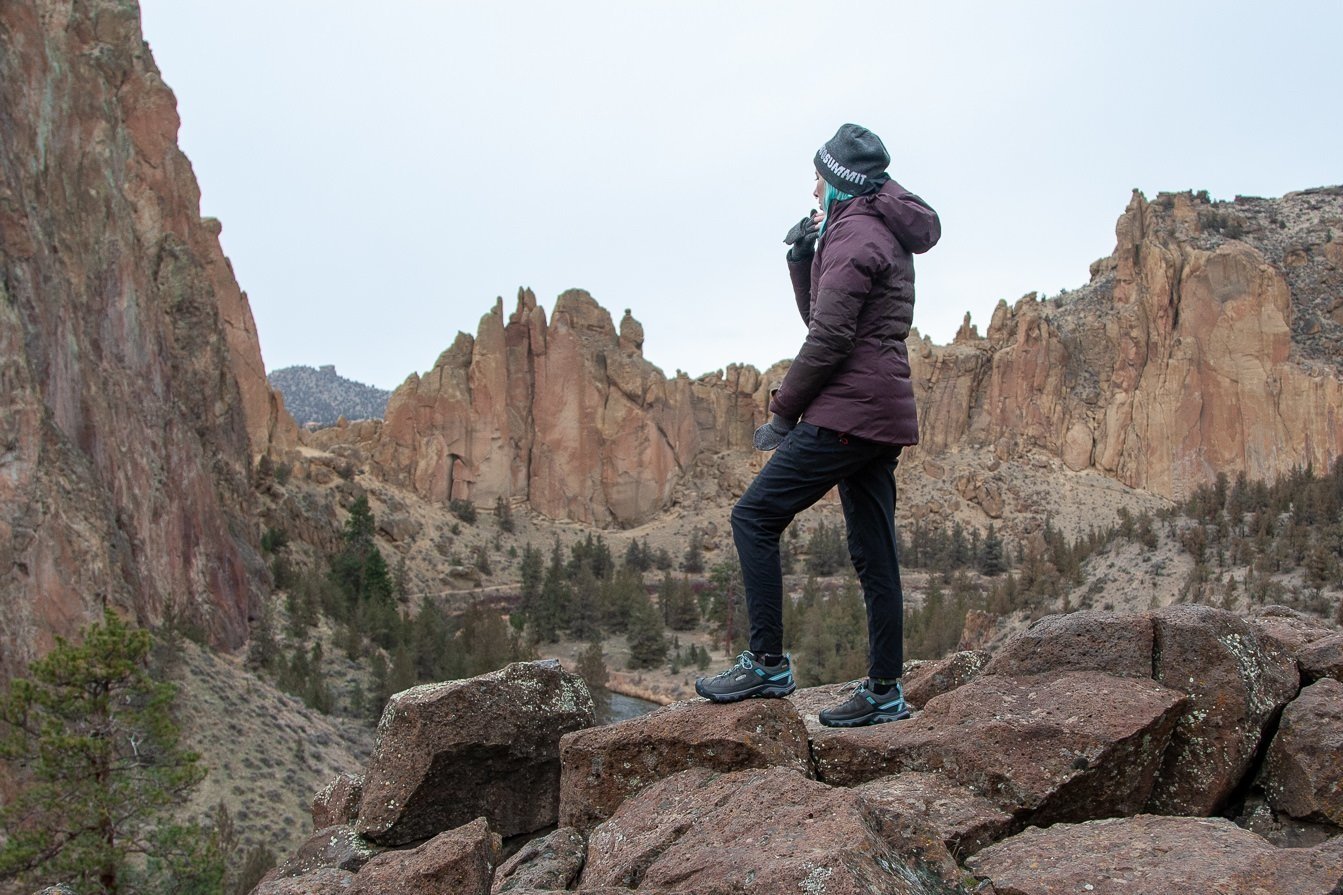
point(744, 662)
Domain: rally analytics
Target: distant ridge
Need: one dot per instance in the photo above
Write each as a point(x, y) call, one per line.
point(319, 397)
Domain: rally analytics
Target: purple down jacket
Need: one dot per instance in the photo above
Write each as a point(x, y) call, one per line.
point(857, 299)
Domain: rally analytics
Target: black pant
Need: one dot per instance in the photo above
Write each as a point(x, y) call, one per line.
point(809, 463)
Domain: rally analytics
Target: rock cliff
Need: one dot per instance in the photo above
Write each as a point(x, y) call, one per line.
point(1206, 343)
point(564, 414)
point(134, 396)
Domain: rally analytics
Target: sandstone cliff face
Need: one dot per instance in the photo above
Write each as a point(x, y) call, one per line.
point(134, 397)
point(1188, 354)
point(565, 414)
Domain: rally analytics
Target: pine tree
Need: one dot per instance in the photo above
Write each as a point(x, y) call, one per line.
point(647, 642)
point(991, 561)
point(592, 668)
point(693, 561)
point(90, 736)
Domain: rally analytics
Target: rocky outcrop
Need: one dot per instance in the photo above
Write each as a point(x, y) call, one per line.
point(1206, 343)
point(1303, 775)
point(1236, 681)
point(763, 831)
point(338, 801)
point(605, 765)
point(564, 413)
point(549, 863)
point(489, 746)
point(133, 399)
point(1035, 782)
point(1149, 855)
point(1074, 746)
point(455, 862)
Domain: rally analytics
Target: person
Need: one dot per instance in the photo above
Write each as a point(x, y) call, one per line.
point(841, 416)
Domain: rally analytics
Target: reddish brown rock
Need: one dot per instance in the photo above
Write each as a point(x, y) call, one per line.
point(326, 881)
point(134, 401)
point(1149, 855)
point(565, 414)
point(550, 863)
point(335, 848)
point(1175, 363)
point(1282, 830)
point(1092, 640)
point(1303, 775)
point(924, 680)
point(966, 822)
point(1237, 683)
point(1322, 659)
point(487, 746)
point(1070, 746)
point(1289, 629)
point(338, 801)
point(458, 862)
point(701, 832)
point(603, 766)
point(809, 702)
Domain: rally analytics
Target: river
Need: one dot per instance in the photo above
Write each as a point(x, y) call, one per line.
point(625, 707)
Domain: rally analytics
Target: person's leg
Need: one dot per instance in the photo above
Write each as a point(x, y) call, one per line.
point(868, 498)
point(807, 465)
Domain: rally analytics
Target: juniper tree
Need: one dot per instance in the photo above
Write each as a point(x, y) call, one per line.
point(90, 739)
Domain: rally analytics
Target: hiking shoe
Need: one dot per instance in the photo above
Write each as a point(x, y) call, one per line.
point(866, 707)
point(746, 679)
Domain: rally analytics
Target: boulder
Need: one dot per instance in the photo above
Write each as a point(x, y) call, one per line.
point(1237, 683)
point(549, 863)
point(603, 766)
point(1150, 855)
point(338, 801)
point(338, 848)
point(1289, 628)
point(924, 680)
point(1322, 659)
point(1093, 640)
point(767, 830)
point(966, 822)
point(486, 746)
point(1282, 830)
point(1047, 748)
point(1303, 775)
point(326, 881)
point(458, 862)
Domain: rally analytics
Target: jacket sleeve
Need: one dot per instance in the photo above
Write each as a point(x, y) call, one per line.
point(847, 266)
point(800, 273)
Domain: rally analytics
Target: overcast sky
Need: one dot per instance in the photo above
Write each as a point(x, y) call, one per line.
point(384, 170)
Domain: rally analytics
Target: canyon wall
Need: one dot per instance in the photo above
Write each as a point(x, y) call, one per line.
point(1206, 343)
point(133, 394)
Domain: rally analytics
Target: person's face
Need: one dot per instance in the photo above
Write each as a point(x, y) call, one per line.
point(818, 191)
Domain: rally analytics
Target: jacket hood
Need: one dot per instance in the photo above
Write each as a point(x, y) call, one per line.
point(911, 219)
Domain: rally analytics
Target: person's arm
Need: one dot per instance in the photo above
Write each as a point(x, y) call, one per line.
point(845, 279)
point(801, 241)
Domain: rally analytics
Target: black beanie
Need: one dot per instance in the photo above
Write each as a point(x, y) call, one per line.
point(853, 160)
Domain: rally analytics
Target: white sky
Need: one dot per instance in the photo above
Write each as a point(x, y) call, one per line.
point(384, 170)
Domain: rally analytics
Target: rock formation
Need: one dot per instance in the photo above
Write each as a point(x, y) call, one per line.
point(1046, 771)
point(1207, 343)
point(133, 398)
point(566, 415)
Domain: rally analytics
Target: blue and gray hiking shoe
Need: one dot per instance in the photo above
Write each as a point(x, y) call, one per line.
point(746, 679)
point(866, 707)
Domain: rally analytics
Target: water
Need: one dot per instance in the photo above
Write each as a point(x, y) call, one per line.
point(625, 707)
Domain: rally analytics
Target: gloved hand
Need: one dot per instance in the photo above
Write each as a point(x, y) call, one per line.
point(772, 434)
point(802, 238)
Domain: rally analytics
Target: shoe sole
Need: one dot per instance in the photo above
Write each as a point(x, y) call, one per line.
point(762, 693)
point(865, 720)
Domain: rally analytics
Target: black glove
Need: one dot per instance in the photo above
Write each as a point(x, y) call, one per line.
point(802, 238)
point(772, 434)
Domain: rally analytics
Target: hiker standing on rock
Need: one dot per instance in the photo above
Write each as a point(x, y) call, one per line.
point(841, 416)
